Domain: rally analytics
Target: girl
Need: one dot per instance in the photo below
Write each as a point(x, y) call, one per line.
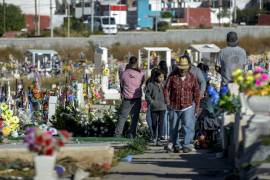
point(155, 97)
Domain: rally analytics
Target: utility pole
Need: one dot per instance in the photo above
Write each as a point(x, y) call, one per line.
point(51, 18)
point(109, 12)
point(36, 19)
point(83, 5)
point(261, 4)
point(219, 11)
point(68, 20)
point(235, 11)
point(4, 16)
point(92, 15)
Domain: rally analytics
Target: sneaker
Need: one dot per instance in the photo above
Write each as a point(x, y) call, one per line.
point(158, 143)
point(187, 150)
point(176, 149)
point(169, 147)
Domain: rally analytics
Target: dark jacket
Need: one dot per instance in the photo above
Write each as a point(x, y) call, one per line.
point(155, 97)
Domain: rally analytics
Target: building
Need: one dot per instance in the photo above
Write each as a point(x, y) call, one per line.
point(148, 11)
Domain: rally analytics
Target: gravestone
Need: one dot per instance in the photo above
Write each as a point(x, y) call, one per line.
point(80, 95)
point(52, 106)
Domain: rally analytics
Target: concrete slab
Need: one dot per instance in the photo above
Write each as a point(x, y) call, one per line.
point(157, 164)
point(86, 154)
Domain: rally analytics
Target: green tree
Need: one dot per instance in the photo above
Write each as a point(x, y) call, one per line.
point(14, 18)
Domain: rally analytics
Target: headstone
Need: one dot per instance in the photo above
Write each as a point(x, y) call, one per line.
point(80, 97)
point(52, 106)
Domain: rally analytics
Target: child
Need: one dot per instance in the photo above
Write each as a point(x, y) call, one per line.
point(155, 97)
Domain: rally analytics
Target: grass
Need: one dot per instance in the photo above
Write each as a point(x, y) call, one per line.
point(265, 140)
point(120, 51)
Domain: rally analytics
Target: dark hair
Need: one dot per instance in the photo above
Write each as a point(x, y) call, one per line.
point(151, 78)
point(156, 74)
point(203, 67)
point(232, 39)
point(132, 64)
point(133, 60)
point(163, 67)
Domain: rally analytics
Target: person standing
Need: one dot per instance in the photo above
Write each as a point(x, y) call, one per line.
point(230, 58)
point(131, 92)
point(181, 90)
point(155, 97)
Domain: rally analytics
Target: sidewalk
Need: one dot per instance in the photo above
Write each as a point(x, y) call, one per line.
point(157, 164)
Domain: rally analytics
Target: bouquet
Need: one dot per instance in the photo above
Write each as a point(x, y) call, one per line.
point(253, 82)
point(43, 142)
point(8, 122)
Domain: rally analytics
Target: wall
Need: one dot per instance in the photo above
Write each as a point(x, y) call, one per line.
point(198, 16)
point(186, 35)
point(264, 19)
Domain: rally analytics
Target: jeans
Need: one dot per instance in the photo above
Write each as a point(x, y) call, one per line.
point(166, 124)
point(149, 121)
point(132, 107)
point(185, 118)
point(157, 123)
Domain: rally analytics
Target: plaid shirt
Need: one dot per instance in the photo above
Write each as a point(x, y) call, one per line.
point(180, 94)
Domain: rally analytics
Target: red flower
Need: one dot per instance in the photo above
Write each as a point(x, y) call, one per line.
point(49, 152)
point(60, 142)
point(48, 142)
point(1, 124)
point(65, 134)
point(39, 140)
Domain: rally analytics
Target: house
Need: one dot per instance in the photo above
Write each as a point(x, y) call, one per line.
point(30, 22)
point(148, 11)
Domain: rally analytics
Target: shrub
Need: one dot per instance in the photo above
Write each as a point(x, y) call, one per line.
point(163, 26)
point(166, 14)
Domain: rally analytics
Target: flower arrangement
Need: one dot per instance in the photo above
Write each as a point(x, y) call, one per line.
point(43, 142)
point(253, 82)
point(8, 122)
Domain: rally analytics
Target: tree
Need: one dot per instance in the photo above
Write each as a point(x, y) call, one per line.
point(14, 18)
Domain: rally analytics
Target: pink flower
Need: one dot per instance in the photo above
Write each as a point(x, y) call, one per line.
point(259, 69)
point(258, 82)
point(264, 77)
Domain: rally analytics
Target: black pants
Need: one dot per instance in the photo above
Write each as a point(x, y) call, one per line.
point(132, 107)
point(157, 123)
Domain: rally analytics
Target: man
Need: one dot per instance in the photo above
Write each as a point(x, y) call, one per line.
point(131, 91)
point(197, 73)
point(181, 90)
point(230, 58)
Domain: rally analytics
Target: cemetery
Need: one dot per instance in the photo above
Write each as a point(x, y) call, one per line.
point(84, 101)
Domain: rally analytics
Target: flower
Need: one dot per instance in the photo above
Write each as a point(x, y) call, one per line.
point(8, 122)
point(6, 131)
point(43, 142)
point(253, 83)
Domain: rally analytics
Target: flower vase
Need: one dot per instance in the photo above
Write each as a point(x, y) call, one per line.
point(245, 109)
point(259, 104)
point(44, 168)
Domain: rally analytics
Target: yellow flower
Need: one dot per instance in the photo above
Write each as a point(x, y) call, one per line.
point(3, 106)
point(15, 119)
point(14, 127)
point(8, 113)
point(6, 131)
point(250, 78)
point(237, 72)
point(240, 79)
